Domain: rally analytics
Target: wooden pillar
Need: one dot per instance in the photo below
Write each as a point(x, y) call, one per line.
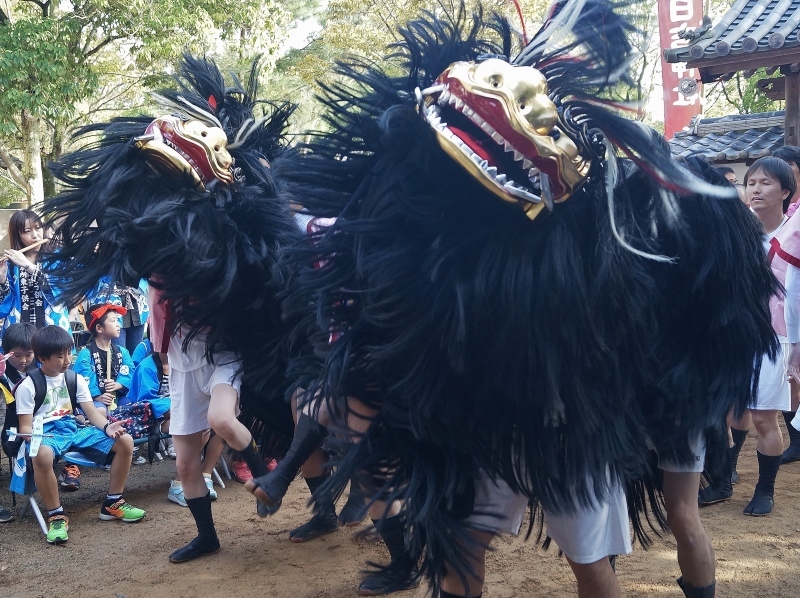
point(791, 125)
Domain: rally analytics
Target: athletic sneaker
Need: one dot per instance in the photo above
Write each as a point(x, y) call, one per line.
point(70, 477)
point(241, 471)
point(122, 511)
point(137, 458)
point(5, 515)
point(210, 485)
point(271, 464)
point(175, 494)
point(171, 450)
point(58, 525)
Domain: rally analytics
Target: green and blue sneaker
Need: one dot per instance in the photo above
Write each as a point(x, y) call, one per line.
point(122, 511)
point(58, 525)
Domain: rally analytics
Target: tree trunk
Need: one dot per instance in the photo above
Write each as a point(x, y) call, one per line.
point(50, 183)
point(32, 157)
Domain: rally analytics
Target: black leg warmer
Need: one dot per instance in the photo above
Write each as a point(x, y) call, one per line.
point(271, 488)
point(792, 453)
point(739, 436)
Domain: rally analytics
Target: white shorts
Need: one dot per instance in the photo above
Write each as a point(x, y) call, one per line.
point(773, 386)
point(698, 448)
point(593, 533)
point(497, 507)
point(190, 392)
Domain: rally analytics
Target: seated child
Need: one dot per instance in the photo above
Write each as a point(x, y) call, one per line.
point(102, 441)
point(18, 354)
point(106, 385)
point(19, 361)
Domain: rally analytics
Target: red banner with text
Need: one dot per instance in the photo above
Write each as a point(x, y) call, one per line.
point(673, 17)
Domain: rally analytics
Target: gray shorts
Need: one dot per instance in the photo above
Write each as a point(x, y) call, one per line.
point(586, 536)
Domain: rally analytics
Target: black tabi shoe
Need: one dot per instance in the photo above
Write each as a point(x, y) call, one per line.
point(710, 495)
point(194, 550)
point(762, 502)
point(379, 584)
point(318, 525)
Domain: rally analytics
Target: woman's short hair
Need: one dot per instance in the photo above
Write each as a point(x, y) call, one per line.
point(779, 170)
point(17, 223)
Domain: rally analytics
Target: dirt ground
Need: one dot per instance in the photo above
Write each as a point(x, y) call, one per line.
point(756, 557)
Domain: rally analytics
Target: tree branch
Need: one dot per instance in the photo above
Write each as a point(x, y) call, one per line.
point(13, 169)
point(100, 46)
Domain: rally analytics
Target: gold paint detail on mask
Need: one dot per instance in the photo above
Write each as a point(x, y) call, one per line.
point(176, 146)
point(511, 106)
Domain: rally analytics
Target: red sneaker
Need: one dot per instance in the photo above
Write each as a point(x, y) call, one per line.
point(271, 464)
point(241, 471)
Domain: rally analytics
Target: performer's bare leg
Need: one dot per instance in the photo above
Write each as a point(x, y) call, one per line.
point(198, 499)
point(475, 552)
point(695, 553)
point(595, 580)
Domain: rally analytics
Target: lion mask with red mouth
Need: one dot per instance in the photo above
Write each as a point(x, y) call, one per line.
point(497, 121)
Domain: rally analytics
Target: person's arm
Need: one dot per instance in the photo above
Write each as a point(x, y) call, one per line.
point(97, 419)
point(25, 395)
point(791, 312)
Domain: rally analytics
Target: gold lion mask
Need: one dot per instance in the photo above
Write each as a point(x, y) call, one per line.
point(497, 121)
point(177, 147)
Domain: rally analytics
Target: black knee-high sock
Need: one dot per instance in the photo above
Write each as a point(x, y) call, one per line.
point(767, 472)
point(739, 436)
point(253, 459)
point(794, 434)
point(201, 511)
point(444, 594)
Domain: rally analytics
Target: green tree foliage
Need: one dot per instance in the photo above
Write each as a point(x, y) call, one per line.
point(63, 62)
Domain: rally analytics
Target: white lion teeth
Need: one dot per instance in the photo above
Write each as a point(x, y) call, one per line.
point(433, 115)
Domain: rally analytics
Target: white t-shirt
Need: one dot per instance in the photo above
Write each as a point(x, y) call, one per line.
point(56, 401)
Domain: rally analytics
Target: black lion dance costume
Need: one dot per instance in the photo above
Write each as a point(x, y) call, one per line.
point(188, 200)
point(512, 284)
